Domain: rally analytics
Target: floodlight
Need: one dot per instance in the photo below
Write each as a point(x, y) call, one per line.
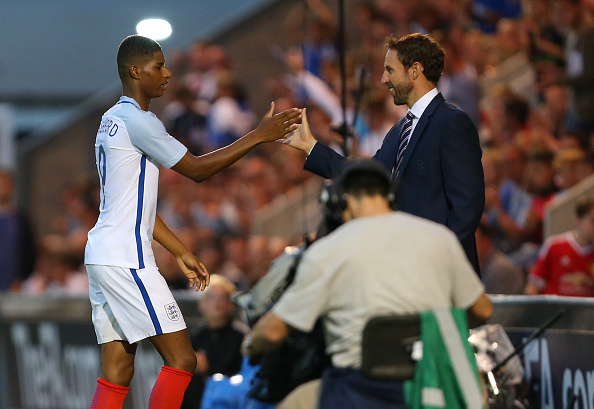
point(155, 28)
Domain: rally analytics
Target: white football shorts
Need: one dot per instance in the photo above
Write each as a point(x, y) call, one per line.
point(131, 305)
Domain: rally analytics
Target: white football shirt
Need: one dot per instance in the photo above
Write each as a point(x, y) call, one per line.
point(130, 146)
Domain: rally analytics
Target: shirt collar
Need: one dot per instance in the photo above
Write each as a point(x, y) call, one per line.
point(127, 100)
point(419, 107)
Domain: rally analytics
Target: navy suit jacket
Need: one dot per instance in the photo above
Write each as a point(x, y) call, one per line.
point(441, 175)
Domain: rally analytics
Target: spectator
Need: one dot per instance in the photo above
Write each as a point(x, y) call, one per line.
point(235, 256)
point(554, 109)
point(516, 111)
point(492, 167)
point(488, 12)
point(499, 274)
point(378, 126)
point(217, 343)
point(564, 263)
point(574, 140)
point(514, 198)
point(363, 14)
point(507, 205)
point(571, 166)
point(426, 18)
point(311, 87)
point(188, 125)
point(201, 79)
point(80, 209)
point(261, 252)
point(229, 117)
point(579, 58)
point(494, 130)
point(540, 176)
point(17, 247)
point(509, 38)
point(320, 36)
point(475, 45)
point(459, 82)
point(58, 270)
point(546, 41)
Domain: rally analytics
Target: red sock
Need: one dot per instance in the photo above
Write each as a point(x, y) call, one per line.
point(108, 395)
point(169, 389)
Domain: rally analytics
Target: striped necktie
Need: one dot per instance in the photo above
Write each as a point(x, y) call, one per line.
point(404, 140)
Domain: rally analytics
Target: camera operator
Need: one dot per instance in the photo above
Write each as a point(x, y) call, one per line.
point(378, 262)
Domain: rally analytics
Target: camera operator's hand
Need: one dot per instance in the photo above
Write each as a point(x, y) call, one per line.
point(268, 333)
point(248, 350)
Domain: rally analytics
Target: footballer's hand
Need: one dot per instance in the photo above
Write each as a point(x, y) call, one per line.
point(195, 270)
point(301, 138)
point(273, 127)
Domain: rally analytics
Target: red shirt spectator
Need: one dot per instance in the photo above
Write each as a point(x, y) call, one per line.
point(565, 265)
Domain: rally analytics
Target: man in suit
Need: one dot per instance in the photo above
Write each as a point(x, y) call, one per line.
point(433, 153)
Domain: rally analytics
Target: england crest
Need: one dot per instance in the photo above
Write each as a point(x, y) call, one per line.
point(172, 311)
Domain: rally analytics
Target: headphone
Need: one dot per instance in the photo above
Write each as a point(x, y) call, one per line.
point(333, 195)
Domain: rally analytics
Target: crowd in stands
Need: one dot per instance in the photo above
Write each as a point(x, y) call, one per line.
point(536, 132)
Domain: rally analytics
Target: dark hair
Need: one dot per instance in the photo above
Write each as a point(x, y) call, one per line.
point(134, 48)
point(583, 206)
point(357, 177)
point(518, 108)
point(422, 49)
point(366, 183)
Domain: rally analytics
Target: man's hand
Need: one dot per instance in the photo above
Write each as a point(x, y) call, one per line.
point(202, 365)
point(268, 333)
point(273, 127)
point(301, 138)
point(195, 270)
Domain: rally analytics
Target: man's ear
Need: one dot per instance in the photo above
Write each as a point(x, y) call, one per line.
point(134, 71)
point(347, 213)
point(416, 70)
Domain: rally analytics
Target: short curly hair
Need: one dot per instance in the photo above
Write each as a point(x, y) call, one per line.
point(134, 49)
point(422, 49)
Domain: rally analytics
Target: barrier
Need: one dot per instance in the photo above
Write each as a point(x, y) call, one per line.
point(49, 357)
point(560, 363)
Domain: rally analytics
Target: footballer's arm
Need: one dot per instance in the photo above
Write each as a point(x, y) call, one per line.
point(191, 266)
point(271, 128)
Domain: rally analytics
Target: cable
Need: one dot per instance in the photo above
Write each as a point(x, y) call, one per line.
point(343, 128)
